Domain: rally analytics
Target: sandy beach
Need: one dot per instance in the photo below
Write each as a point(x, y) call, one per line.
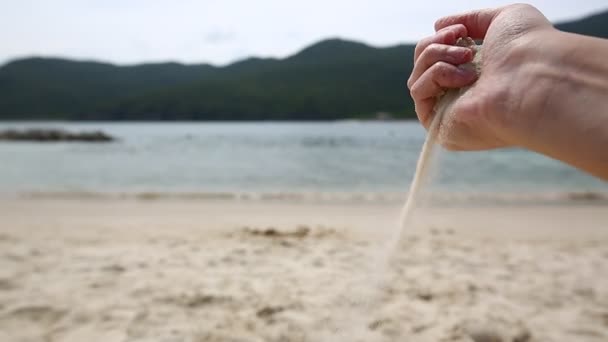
point(95, 269)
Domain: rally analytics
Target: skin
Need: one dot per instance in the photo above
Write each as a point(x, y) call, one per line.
point(539, 89)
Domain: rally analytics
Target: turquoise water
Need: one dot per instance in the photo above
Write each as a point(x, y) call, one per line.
point(325, 157)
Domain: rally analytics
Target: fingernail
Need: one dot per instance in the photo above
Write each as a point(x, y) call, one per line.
point(467, 70)
point(456, 50)
point(459, 55)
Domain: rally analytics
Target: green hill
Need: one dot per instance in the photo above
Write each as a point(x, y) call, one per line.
point(595, 25)
point(56, 88)
point(332, 79)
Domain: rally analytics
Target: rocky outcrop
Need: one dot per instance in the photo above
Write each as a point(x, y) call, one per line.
point(53, 135)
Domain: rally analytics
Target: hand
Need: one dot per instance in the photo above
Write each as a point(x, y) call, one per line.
point(503, 106)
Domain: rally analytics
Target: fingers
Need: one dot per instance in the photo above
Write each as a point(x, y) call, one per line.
point(424, 111)
point(439, 53)
point(432, 83)
point(447, 35)
point(476, 22)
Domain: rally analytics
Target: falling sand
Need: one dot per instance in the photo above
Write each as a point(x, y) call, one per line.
point(444, 104)
point(367, 292)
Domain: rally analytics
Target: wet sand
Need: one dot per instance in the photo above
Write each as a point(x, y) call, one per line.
point(228, 270)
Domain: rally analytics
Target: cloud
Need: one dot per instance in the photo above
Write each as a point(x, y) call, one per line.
point(220, 31)
point(219, 37)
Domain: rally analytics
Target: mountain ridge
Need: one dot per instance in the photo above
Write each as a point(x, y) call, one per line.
point(331, 79)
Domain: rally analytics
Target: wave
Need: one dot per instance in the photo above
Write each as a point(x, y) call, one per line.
point(429, 198)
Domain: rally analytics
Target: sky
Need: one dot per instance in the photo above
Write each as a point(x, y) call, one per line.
point(223, 31)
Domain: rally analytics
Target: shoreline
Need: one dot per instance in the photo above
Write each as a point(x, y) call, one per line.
point(431, 198)
point(548, 220)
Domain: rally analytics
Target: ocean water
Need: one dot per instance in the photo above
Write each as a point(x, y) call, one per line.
point(268, 157)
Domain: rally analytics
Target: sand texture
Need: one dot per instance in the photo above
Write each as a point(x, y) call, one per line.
point(125, 270)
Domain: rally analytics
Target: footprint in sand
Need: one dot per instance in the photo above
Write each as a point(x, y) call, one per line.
point(114, 268)
point(195, 300)
point(8, 238)
point(40, 314)
point(488, 335)
point(7, 284)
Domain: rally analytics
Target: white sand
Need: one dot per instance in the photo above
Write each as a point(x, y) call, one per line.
point(121, 270)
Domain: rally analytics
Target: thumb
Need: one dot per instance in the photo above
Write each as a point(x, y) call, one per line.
point(476, 22)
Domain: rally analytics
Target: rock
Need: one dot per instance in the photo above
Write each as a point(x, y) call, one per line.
point(54, 135)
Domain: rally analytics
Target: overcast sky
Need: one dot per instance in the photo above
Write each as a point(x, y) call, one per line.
point(221, 31)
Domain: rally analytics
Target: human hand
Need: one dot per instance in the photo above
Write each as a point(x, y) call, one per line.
point(503, 106)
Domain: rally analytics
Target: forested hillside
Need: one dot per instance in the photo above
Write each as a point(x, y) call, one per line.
point(332, 79)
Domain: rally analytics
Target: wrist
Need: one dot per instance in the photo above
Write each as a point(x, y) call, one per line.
point(549, 81)
point(567, 118)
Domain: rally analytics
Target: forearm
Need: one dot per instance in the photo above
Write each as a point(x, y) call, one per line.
point(573, 126)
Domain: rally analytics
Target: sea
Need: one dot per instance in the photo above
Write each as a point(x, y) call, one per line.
point(364, 160)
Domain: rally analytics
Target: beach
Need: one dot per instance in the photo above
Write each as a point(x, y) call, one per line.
point(171, 269)
point(189, 182)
